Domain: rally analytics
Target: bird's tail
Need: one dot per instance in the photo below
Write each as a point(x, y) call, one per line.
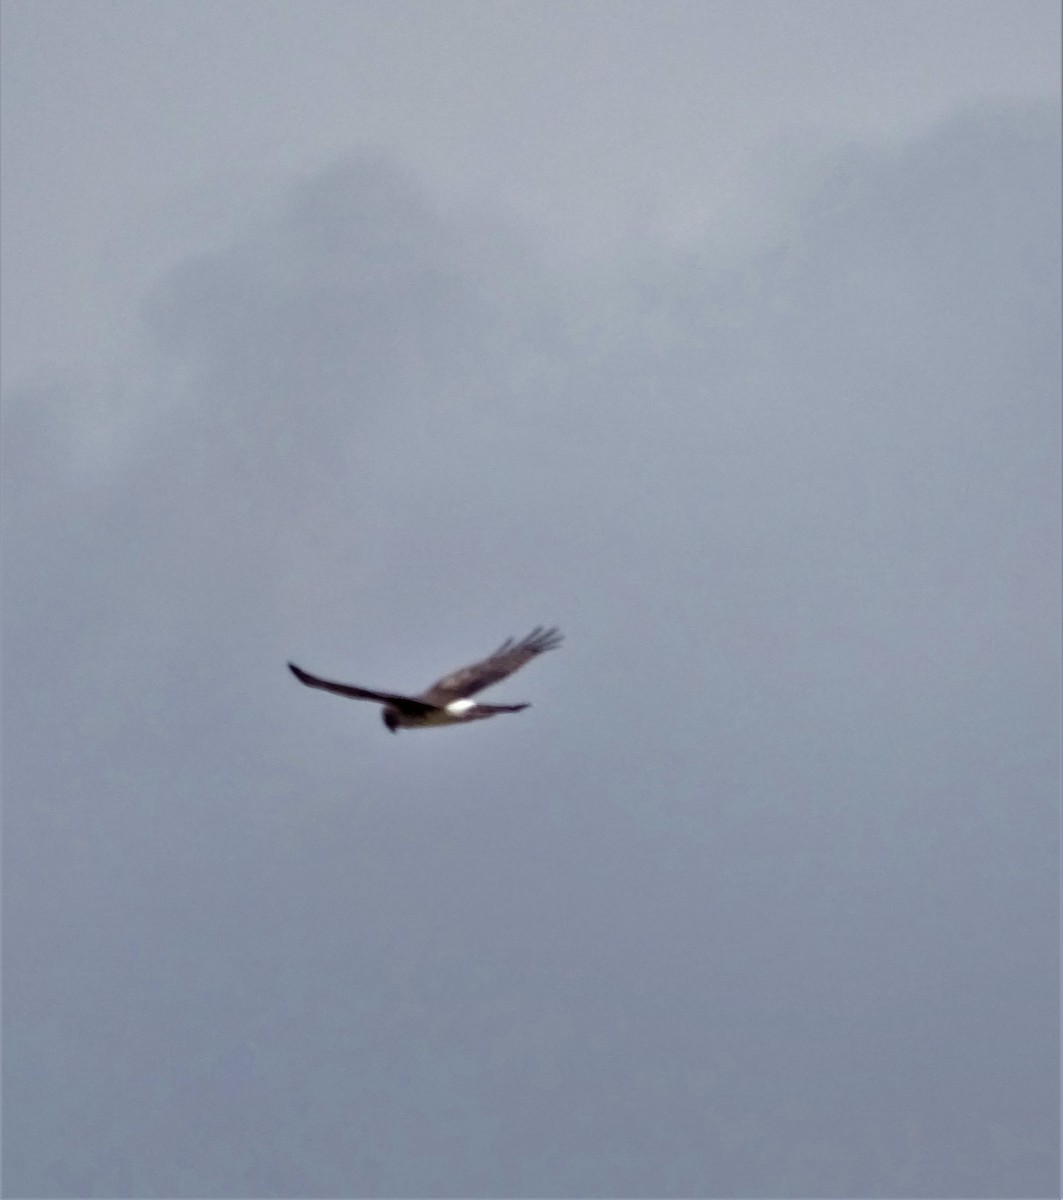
point(491, 709)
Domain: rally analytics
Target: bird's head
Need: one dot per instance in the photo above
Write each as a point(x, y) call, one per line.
point(391, 719)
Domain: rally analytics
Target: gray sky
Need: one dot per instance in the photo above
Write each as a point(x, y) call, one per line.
point(725, 336)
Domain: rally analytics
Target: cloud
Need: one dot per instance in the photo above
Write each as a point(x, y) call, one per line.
point(756, 899)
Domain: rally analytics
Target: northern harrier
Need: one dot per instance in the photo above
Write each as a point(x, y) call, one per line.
point(447, 701)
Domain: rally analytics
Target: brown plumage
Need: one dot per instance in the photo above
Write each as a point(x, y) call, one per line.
point(447, 701)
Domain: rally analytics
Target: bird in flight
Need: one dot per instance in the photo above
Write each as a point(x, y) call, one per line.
point(447, 702)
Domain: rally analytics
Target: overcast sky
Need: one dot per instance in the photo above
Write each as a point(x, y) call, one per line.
point(724, 336)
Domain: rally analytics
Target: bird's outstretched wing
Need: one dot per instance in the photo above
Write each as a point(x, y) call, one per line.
point(509, 657)
point(407, 704)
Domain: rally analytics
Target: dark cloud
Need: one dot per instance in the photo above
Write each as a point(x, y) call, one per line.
point(759, 898)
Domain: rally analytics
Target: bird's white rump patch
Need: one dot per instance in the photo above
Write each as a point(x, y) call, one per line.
point(460, 706)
